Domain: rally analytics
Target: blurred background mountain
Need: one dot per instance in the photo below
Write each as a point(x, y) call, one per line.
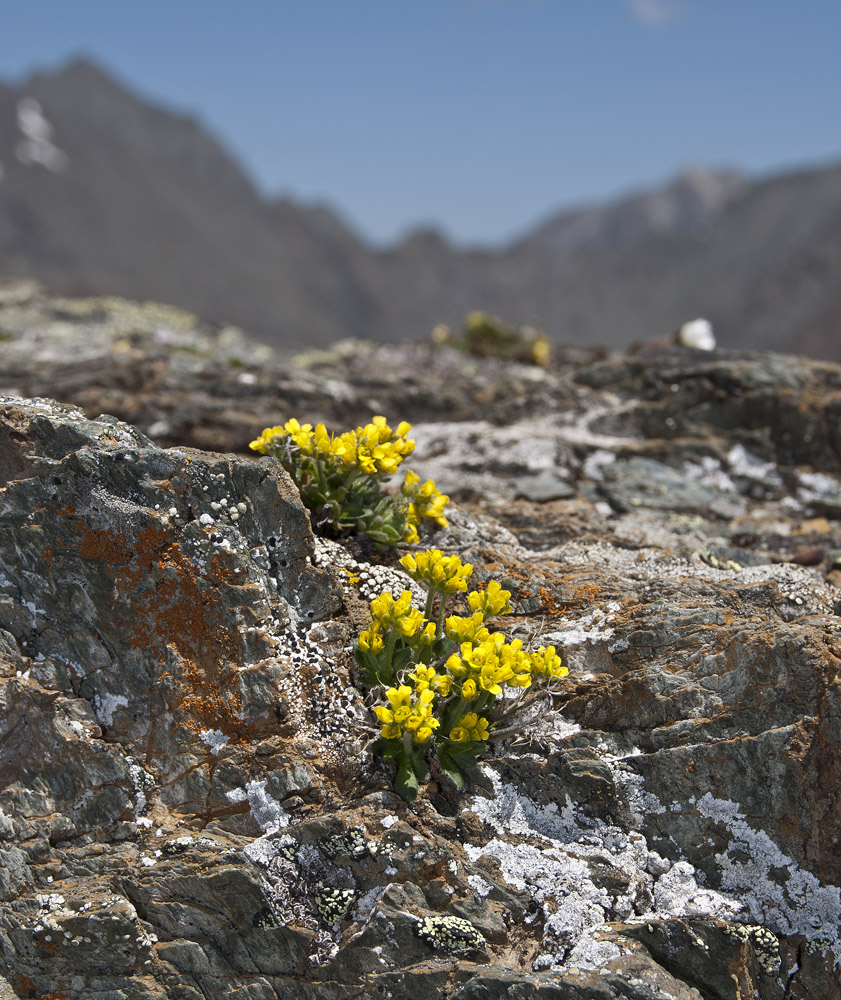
point(102, 192)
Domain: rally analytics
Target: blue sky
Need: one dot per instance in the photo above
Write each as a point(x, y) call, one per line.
point(479, 117)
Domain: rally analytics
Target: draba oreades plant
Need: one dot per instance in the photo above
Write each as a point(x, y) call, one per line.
point(341, 478)
point(439, 680)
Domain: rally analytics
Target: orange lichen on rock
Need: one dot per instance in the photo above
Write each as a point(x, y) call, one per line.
point(108, 547)
point(173, 606)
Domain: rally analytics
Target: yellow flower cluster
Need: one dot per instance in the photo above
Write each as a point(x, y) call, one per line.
point(376, 449)
point(443, 674)
point(488, 664)
point(491, 601)
point(432, 567)
point(428, 677)
point(470, 727)
point(399, 615)
point(546, 663)
point(371, 640)
point(425, 501)
point(340, 476)
point(411, 711)
point(388, 614)
point(470, 629)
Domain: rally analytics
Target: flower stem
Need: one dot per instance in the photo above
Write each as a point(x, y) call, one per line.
point(430, 603)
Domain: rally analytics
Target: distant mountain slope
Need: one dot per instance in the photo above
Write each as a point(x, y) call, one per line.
point(102, 192)
point(145, 203)
point(765, 269)
point(687, 204)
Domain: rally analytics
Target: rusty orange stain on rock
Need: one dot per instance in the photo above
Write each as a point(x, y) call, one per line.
point(107, 547)
point(173, 606)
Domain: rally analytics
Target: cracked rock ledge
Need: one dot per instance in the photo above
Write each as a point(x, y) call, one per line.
point(187, 807)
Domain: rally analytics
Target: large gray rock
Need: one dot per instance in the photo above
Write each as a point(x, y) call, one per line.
point(186, 805)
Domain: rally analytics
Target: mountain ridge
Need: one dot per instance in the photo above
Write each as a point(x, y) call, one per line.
point(105, 192)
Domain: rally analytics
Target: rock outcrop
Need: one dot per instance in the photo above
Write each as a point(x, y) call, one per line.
point(187, 806)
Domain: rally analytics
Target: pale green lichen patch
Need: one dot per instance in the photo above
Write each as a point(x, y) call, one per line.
point(353, 843)
point(449, 935)
point(765, 945)
point(333, 904)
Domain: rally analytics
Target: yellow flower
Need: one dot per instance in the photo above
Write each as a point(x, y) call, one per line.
point(443, 684)
point(470, 629)
point(321, 441)
point(491, 601)
point(272, 438)
point(456, 666)
point(426, 500)
point(541, 349)
point(267, 438)
point(399, 696)
point(425, 702)
point(399, 699)
point(547, 663)
point(371, 641)
point(410, 564)
point(409, 482)
point(343, 448)
point(407, 714)
point(476, 318)
point(468, 689)
point(446, 573)
point(410, 623)
point(480, 730)
point(428, 632)
point(492, 678)
point(471, 727)
point(423, 677)
point(377, 449)
point(399, 615)
point(301, 434)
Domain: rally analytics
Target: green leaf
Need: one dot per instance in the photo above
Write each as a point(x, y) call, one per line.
point(372, 668)
point(420, 766)
point(450, 769)
point(401, 658)
point(443, 646)
point(406, 784)
point(389, 749)
point(377, 536)
point(367, 662)
point(463, 755)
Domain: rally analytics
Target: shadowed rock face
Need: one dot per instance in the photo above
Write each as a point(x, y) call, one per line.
point(187, 808)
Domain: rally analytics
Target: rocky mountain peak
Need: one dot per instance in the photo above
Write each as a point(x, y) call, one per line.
point(685, 204)
point(102, 191)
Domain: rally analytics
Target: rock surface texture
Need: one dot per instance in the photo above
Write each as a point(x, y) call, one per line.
point(187, 806)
